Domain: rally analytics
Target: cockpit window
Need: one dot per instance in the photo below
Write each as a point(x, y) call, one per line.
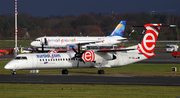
point(20, 58)
point(24, 57)
point(37, 39)
point(17, 58)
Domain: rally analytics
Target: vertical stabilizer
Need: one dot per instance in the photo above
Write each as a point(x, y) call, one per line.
point(119, 30)
point(149, 40)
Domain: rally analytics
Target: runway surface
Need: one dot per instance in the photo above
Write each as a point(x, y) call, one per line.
point(91, 79)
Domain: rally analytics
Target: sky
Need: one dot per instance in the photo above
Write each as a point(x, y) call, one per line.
point(46, 8)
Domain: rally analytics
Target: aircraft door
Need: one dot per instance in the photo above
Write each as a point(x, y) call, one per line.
point(34, 62)
point(45, 41)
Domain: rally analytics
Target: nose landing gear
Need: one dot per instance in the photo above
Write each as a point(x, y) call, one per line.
point(14, 72)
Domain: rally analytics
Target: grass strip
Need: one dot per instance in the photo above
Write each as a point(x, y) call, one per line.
point(88, 91)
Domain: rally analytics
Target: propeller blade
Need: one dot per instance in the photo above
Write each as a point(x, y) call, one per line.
point(79, 48)
point(78, 63)
point(74, 50)
point(83, 61)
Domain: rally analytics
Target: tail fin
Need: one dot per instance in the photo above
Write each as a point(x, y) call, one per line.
point(119, 30)
point(149, 40)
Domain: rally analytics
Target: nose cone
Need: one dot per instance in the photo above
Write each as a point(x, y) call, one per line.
point(33, 44)
point(9, 65)
point(6, 67)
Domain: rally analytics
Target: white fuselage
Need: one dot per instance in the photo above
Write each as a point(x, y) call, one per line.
point(64, 61)
point(64, 41)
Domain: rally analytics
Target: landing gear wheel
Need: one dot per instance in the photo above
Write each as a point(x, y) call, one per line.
point(64, 71)
point(100, 71)
point(14, 73)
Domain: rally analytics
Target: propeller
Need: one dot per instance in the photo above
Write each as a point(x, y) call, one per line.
point(78, 54)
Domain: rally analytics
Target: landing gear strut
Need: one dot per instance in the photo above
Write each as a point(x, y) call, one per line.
point(64, 71)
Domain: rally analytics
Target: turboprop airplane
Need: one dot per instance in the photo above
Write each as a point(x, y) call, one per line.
point(114, 38)
point(103, 58)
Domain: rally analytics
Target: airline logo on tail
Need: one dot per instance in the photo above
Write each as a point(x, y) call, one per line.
point(119, 30)
point(149, 41)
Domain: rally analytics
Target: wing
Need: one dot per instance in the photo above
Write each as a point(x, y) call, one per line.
point(114, 50)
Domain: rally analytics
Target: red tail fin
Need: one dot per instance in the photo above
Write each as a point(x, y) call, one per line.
point(149, 41)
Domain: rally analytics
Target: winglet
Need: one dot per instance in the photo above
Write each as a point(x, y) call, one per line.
point(149, 40)
point(119, 30)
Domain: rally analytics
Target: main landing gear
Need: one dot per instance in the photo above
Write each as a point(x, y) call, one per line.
point(100, 71)
point(64, 71)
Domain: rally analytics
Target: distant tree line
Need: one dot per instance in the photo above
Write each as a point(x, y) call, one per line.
point(92, 24)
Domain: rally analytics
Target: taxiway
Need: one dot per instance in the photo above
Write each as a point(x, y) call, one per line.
point(91, 79)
